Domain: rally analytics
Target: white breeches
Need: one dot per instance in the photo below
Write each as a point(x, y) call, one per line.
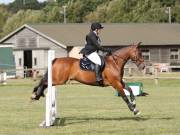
point(94, 57)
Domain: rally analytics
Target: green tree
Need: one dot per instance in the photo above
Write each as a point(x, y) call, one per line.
point(25, 4)
point(98, 16)
point(116, 11)
point(168, 2)
point(20, 18)
point(4, 14)
point(76, 11)
point(175, 13)
point(52, 13)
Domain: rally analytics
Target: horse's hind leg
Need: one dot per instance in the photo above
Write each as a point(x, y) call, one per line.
point(119, 87)
point(39, 89)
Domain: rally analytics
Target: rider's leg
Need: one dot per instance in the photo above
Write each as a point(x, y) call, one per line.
point(98, 73)
point(95, 58)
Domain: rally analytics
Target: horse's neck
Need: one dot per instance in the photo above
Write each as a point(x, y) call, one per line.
point(120, 57)
point(123, 54)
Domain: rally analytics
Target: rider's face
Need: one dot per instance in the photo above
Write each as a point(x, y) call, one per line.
point(98, 31)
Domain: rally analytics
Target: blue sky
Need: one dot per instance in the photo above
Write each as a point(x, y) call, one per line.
point(8, 1)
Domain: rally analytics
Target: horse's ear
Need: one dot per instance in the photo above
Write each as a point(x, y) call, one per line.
point(138, 44)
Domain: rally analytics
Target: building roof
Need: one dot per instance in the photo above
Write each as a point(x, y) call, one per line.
point(32, 29)
point(114, 34)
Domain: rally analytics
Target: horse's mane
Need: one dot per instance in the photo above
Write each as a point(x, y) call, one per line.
point(121, 49)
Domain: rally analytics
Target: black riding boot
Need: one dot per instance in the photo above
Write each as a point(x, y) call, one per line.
point(99, 79)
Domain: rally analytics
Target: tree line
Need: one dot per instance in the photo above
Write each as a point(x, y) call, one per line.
point(19, 12)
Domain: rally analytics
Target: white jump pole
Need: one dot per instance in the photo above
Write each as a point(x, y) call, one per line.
point(51, 96)
point(51, 110)
point(3, 78)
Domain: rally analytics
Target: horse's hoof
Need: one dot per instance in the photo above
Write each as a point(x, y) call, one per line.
point(34, 97)
point(134, 105)
point(136, 112)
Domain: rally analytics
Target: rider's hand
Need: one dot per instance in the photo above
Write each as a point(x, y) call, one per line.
point(110, 53)
point(106, 50)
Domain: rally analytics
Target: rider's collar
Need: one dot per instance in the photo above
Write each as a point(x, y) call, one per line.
point(95, 32)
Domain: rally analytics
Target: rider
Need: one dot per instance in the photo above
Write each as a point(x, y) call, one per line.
point(92, 47)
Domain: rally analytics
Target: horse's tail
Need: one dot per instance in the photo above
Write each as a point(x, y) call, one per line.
point(44, 79)
point(54, 61)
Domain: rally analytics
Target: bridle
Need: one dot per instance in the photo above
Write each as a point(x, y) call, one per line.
point(125, 59)
point(136, 60)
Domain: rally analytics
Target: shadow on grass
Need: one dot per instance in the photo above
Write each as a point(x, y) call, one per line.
point(76, 120)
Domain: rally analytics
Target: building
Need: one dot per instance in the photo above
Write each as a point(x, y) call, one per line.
point(7, 63)
point(160, 42)
point(30, 49)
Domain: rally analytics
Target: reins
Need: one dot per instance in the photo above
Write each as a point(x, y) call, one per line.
point(118, 57)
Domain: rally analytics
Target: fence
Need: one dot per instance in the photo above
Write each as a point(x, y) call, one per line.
point(150, 72)
point(23, 73)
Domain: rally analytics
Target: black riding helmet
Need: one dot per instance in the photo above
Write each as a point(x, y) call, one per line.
point(96, 25)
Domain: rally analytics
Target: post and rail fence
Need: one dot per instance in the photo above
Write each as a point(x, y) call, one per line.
point(150, 72)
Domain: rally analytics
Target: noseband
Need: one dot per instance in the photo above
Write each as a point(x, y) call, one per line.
point(136, 60)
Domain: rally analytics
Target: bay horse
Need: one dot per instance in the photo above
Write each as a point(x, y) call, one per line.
point(67, 68)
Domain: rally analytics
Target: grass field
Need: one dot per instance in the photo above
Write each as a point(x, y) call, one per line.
point(86, 110)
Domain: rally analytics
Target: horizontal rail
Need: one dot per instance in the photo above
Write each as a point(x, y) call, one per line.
point(144, 77)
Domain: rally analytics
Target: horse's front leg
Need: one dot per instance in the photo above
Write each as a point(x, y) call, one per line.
point(119, 87)
point(132, 97)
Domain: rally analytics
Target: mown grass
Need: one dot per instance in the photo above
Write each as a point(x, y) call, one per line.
point(87, 110)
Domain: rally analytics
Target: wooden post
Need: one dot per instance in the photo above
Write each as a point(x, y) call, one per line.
point(156, 76)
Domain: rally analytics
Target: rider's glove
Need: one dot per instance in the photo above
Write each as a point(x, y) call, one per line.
point(107, 50)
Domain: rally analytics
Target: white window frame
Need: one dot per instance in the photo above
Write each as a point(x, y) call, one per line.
point(174, 54)
point(146, 53)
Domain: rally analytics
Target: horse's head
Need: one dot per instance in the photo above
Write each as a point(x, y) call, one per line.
point(136, 56)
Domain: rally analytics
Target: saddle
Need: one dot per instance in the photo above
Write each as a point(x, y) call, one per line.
point(87, 65)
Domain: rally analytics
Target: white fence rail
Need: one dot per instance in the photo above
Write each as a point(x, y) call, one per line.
point(150, 72)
